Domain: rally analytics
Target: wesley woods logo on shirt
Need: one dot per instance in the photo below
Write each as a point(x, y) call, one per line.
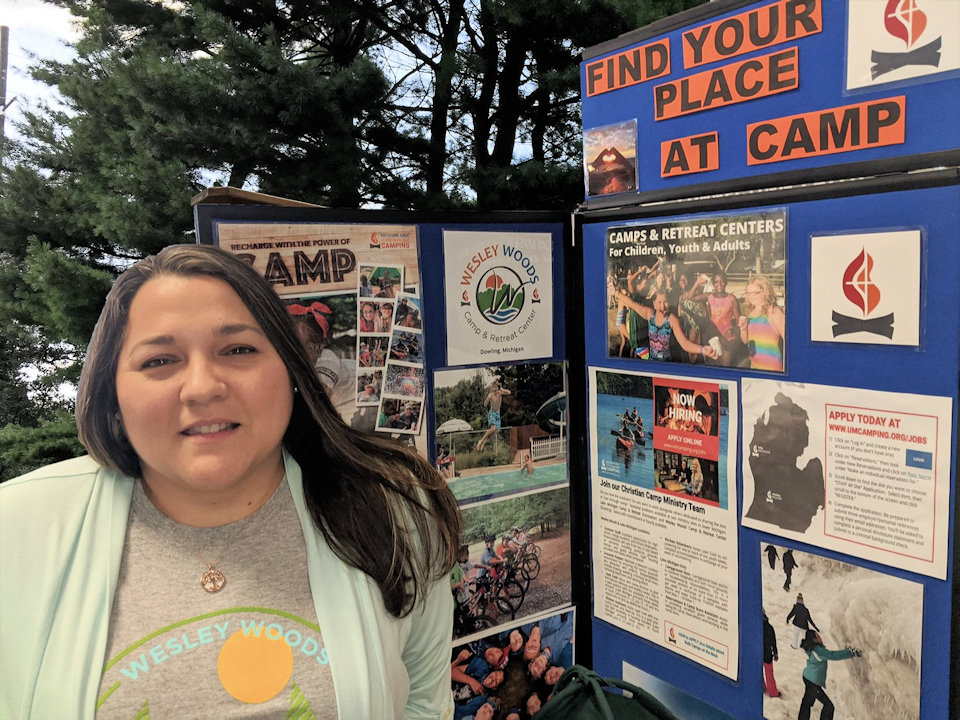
point(249, 655)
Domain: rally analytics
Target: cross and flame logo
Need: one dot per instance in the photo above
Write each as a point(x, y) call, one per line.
point(904, 20)
point(857, 285)
point(859, 288)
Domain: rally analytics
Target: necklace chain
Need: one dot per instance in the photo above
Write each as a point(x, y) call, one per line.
point(212, 579)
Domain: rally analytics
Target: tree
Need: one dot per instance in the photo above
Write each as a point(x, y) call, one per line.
point(540, 511)
point(422, 104)
point(491, 89)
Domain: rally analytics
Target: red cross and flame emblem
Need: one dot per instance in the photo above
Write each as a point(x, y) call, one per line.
point(857, 285)
point(904, 20)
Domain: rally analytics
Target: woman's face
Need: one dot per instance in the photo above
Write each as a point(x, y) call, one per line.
point(386, 312)
point(368, 311)
point(533, 704)
point(661, 304)
point(754, 295)
point(516, 641)
point(493, 679)
point(204, 397)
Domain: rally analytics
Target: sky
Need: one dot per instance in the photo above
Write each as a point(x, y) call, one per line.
point(37, 29)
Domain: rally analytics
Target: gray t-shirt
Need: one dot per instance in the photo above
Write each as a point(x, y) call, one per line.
point(252, 650)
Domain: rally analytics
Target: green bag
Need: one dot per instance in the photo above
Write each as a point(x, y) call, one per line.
point(581, 694)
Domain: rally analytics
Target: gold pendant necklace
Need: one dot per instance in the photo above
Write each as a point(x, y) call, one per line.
point(212, 580)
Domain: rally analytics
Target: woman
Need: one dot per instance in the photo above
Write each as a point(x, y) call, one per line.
point(770, 655)
point(799, 614)
point(695, 486)
point(815, 674)
point(383, 322)
point(368, 317)
point(227, 525)
point(763, 328)
point(662, 326)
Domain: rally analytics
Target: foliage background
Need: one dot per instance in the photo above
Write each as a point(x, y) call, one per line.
point(424, 104)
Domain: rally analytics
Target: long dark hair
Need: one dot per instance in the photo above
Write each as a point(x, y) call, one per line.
point(382, 508)
point(809, 641)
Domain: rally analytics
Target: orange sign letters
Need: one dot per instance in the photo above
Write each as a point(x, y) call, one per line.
point(755, 29)
point(630, 67)
point(732, 83)
point(692, 154)
point(824, 132)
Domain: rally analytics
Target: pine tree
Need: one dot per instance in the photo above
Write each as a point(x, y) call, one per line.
point(423, 104)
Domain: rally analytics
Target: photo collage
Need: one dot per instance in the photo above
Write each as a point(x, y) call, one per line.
point(390, 373)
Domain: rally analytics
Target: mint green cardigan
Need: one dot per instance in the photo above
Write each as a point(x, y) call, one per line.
point(62, 530)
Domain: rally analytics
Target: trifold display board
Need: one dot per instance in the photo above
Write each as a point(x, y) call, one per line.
point(810, 412)
point(771, 283)
point(446, 331)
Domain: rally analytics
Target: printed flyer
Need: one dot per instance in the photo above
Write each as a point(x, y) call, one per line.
point(699, 290)
point(863, 472)
point(299, 258)
point(499, 296)
point(353, 293)
point(663, 488)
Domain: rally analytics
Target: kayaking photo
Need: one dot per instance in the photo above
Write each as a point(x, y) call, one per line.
point(665, 434)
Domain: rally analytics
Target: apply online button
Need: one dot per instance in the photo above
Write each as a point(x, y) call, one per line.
point(920, 459)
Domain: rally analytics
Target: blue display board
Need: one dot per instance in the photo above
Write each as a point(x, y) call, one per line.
point(831, 242)
point(753, 92)
point(428, 252)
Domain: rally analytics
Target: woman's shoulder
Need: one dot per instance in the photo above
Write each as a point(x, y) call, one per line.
point(67, 484)
point(78, 467)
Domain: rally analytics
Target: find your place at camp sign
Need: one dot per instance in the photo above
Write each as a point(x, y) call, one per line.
point(732, 90)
